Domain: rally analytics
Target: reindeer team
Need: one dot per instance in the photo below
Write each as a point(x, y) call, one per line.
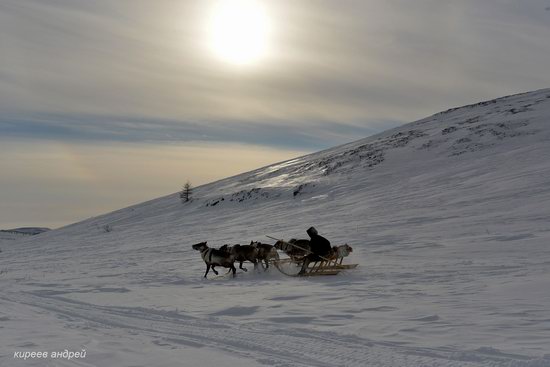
point(259, 253)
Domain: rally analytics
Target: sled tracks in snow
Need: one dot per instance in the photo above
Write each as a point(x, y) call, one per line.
point(268, 344)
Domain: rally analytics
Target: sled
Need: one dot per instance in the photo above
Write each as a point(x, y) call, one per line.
point(325, 266)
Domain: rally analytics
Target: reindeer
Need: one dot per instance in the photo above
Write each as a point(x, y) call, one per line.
point(265, 252)
point(339, 252)
point(242, 253)
point(213, 257)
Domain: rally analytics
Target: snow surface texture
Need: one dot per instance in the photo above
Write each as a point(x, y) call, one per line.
point(449, 221)
point(7, 237)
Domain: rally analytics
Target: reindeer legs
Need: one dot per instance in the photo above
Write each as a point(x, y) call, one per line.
point(207, 269)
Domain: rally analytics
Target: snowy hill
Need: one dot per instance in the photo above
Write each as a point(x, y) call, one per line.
point(448, 217)
point(10, 236)
point(30, 231)
point(7, 237)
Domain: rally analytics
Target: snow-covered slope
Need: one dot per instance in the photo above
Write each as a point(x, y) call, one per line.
point(8, 237)
point(448, 217)
point(30, 231)
point(11, 236)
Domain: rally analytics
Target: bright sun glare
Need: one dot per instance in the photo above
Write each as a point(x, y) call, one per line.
point(239, 31)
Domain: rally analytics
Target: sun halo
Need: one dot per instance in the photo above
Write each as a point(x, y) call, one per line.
point(239, 31)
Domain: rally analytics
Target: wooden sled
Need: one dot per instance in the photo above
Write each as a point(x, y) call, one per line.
point(292, 267)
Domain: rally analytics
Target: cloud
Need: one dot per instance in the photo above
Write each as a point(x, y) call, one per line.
point(302, 135)
point(338, 61)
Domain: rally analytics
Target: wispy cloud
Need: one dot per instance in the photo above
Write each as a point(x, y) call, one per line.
point(337, 61)
point(303, 135)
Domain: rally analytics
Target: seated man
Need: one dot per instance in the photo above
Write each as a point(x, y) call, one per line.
point(320, 248)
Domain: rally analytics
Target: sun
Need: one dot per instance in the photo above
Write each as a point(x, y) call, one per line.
point(239, 31)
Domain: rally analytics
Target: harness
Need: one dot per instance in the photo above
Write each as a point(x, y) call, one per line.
point(205, 254)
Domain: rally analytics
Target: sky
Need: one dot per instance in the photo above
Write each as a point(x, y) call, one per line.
point(105, 104)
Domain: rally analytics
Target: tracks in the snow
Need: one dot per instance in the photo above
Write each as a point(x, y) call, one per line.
point(269, 344)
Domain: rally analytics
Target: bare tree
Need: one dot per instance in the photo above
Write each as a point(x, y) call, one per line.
point(186, 192)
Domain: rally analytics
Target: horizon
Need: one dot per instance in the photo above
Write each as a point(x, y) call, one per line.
point(107, 105)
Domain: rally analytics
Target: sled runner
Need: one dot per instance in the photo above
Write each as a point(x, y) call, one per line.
point(325, 266)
